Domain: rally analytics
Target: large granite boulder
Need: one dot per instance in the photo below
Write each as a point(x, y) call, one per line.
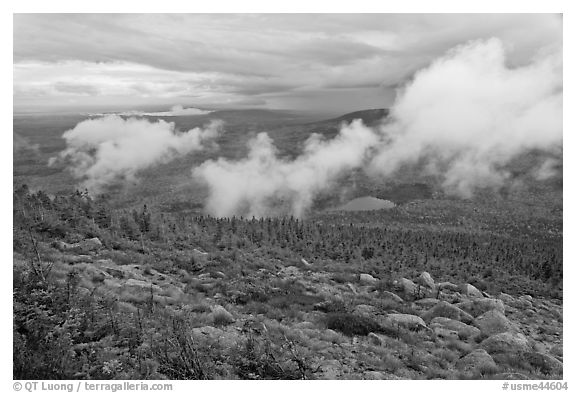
point(493, 322)
point(507, 342)
point(478, 307)
point(464, 331)
point(447, 310)
point(406, 287)
point(425, 279)
point(390, 296)
point(477, 359)
point(470, 290)
point(544, 362)
point(367, 279)
point(405, 320)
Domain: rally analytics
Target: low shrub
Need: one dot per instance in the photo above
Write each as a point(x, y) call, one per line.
point(351, 325)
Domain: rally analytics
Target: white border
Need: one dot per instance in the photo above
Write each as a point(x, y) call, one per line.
point(297, 6)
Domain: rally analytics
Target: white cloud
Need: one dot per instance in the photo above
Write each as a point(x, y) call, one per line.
point(179, 110)
point(111, 149)
point(264, 184)
point(471, 113)
point(467, 115)
point(176, 110)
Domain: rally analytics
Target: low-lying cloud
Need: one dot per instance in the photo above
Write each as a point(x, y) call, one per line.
point(549, 168)
point(176, 110)
point(469, 114)
point(466, 115)
point(22, 144)
point(111, 149)
point(264, 184)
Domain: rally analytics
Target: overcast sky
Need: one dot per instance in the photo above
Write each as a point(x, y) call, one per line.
point(328, 63)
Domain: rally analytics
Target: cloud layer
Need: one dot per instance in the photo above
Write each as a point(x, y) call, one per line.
point(111, 149)
point(328, 62)
point(176, 110)
point(466, 115)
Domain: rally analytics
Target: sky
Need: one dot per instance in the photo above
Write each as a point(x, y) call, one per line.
point(333, 63)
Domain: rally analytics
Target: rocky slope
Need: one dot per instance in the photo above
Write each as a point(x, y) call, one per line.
point(330, 325)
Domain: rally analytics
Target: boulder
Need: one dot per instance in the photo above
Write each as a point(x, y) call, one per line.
point(447, 286)
point(543, 362)
point(493, 322)
point(425, 279)
point(376, 339)
point(351, 287)
point(87, 245)
point(470, 290)
point(464, 331)
point(405, 320)
point(96, 275)
point(407, 287)
point(390, 296)
point(557, 350)
point(523, 302)
point(451, 297)
point(144, 285)
point(367, 279)
point(507, 342)
point(331, 335)
point(221, 316)
point(447, 310)
point(526, 297)
point(478, 307)
point(477, 359)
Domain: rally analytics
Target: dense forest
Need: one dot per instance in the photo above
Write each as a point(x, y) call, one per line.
point(386, 248)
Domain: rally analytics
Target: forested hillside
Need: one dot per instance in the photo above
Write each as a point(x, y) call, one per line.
point(108, 293)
